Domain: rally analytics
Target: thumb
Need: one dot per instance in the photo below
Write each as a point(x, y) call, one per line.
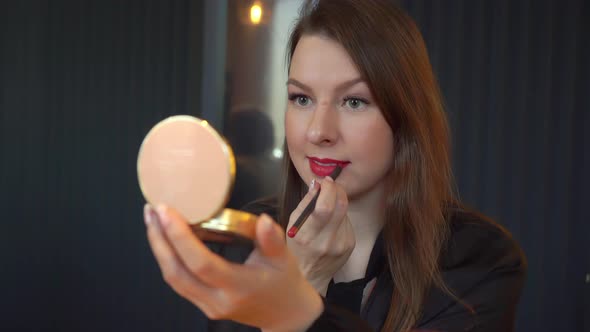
point(270, 237)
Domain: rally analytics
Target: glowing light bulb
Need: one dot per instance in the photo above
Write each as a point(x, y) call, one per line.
point(255, 13)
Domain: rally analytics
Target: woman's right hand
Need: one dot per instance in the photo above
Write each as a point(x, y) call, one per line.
point(326, 240)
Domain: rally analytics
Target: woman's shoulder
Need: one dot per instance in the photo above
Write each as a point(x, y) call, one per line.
point(479, 241)
point(484, 267)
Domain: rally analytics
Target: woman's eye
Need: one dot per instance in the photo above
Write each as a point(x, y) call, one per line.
point(355, 103)
point(300, 100)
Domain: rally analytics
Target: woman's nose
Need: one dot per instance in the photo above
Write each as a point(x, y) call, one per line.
point(323, 128)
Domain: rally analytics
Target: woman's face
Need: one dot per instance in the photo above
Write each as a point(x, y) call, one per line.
point(332, 119)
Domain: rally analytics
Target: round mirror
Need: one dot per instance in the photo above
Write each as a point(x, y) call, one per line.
point(185, 164)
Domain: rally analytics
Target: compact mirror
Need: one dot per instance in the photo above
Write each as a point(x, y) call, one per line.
point(186, 164)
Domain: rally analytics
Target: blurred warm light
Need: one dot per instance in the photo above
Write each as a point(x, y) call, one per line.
point(255, 13)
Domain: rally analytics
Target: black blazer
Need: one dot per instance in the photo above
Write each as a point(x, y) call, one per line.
point(482, 264)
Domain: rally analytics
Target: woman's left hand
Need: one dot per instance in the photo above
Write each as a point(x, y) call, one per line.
point(267, 291)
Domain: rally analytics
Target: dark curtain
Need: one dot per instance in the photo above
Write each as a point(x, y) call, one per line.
point(81, 84)
point(516, 81)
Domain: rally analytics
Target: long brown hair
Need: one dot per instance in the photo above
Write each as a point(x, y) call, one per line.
point(391, 56)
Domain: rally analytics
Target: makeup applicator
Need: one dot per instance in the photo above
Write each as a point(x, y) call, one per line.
point(310, 207)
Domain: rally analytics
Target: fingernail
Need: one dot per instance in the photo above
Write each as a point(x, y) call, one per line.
point(292, 232)
point(311, 185)
point(162, 215)
point(266, 223)
point(268, 226)
point(147, 218)
point(150, 216)
point(155, 219)
point(329, 179)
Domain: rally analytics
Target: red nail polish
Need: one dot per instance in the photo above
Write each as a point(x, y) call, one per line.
point(292, 231)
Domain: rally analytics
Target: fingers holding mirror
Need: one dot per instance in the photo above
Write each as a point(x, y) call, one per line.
point(245, 293)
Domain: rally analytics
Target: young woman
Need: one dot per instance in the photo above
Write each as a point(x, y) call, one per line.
point(388, 247)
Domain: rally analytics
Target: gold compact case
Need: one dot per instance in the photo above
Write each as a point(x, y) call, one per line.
point(186, 164)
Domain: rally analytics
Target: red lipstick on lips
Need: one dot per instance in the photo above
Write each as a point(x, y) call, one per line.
point(325, 166)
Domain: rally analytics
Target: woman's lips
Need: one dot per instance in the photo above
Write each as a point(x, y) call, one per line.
point(325, 166)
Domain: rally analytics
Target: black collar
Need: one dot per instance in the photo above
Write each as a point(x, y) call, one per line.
point(350, 294)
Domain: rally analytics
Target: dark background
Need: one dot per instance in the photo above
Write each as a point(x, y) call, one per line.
point(81, 83)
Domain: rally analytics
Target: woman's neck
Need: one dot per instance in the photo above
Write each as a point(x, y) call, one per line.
point(366, 217)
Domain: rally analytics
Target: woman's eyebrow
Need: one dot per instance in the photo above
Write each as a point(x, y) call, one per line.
point(298, 84)
point(341, 86)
